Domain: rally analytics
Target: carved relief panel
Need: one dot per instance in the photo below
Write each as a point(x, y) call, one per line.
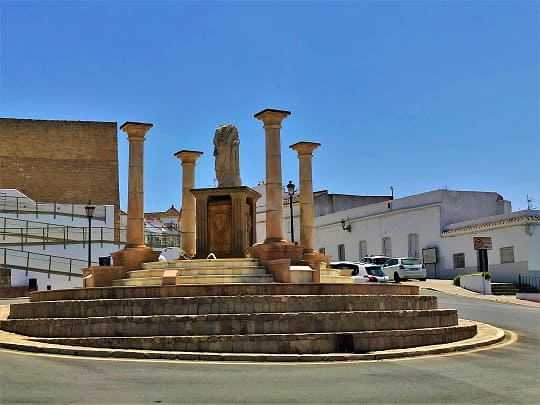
point(220, 227)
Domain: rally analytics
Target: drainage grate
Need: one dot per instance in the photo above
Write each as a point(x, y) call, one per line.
point(344, 343)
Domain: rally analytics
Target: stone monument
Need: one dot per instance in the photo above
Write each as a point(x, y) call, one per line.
point(225, 216)
point(227, 164)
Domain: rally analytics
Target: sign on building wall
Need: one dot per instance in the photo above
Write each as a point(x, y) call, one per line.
point(482, 243)
point(429, 255)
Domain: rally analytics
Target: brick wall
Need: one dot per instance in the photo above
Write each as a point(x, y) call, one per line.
point(60, 161)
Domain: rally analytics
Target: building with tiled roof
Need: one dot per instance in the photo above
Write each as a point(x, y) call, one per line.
point(170, 218)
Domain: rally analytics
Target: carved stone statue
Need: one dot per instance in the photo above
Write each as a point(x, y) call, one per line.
point(226, 144)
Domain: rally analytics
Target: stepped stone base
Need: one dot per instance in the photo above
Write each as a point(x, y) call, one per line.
point(197, 271)
point(224, 290)
point(286, 319)
point(300, 343)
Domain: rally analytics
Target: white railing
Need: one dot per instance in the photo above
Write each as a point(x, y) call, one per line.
point(19, 232)
point(25, 206)
point(36, 262)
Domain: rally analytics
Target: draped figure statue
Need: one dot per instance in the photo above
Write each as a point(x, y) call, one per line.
point(226, 144)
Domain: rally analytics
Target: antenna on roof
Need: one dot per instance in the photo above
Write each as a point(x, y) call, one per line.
point(392, 191)
point(530, 203)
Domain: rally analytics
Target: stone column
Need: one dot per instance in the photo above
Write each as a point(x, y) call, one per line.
point(135, 224)
point(274, 183)
point(188, 223)
point(307, 229)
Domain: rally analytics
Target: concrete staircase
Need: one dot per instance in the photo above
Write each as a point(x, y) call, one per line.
point(240, 318)
point(504, 289)
point(199, 271)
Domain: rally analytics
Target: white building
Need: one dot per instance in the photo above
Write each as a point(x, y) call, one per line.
point(443, 221)
point(324, 203)
point(45, 245)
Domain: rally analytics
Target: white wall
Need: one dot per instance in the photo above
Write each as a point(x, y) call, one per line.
point(394, 224)
point(261, 215)
point(429, 215)
point(408, 215)
point(534, 249)
point(525, 252)
point(19, 278)
point(476, 283)
point(36, 222)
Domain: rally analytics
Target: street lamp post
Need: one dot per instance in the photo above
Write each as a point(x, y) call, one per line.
point(89, 214)
point(291, 191)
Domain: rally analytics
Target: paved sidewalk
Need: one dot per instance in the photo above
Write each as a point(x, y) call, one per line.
point(448, 287)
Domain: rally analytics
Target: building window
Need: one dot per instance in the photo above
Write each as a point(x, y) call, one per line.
point(414, 246)
point(341, 252)
point(322, 251)
point(362, 249)
point(507, 254)
point(387, 246)
point(459, 260)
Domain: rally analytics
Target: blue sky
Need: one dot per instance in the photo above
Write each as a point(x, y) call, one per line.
point(418, 95)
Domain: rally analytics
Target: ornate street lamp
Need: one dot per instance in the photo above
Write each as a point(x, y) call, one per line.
point(89, 214)
point(291, 191)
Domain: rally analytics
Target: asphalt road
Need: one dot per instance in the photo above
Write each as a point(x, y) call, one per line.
point(505, 375)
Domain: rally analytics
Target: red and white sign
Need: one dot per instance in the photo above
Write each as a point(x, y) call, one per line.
point(482, 243)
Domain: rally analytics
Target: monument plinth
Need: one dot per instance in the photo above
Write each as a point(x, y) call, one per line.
point(225, 221)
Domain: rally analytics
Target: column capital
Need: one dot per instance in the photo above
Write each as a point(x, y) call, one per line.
point(304, 148)
point(188, 156)
point(272, 118)
point(135, 129)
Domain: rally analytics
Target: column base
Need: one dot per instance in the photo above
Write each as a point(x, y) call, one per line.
point(102, 276)
point(277, 250)
point(131, 258)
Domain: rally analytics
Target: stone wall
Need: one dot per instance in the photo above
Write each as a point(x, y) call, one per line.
point(60, 161)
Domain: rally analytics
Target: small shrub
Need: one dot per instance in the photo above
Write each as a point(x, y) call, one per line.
point(487, 276)
point(456, 280)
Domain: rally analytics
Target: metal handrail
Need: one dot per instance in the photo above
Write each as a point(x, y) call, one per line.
point(41, 263)
point(527, 283)
point(25, 206)
point(19, 232)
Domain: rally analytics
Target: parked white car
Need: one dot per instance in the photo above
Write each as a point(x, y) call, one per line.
point(361, 272)
point(403, 268)
point(378, 260)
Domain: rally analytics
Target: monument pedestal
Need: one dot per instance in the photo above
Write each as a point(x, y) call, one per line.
point(277, 250)
point(225, 218)
point(133, 258)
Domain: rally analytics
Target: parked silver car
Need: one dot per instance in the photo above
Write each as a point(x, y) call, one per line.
point(402, 268)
